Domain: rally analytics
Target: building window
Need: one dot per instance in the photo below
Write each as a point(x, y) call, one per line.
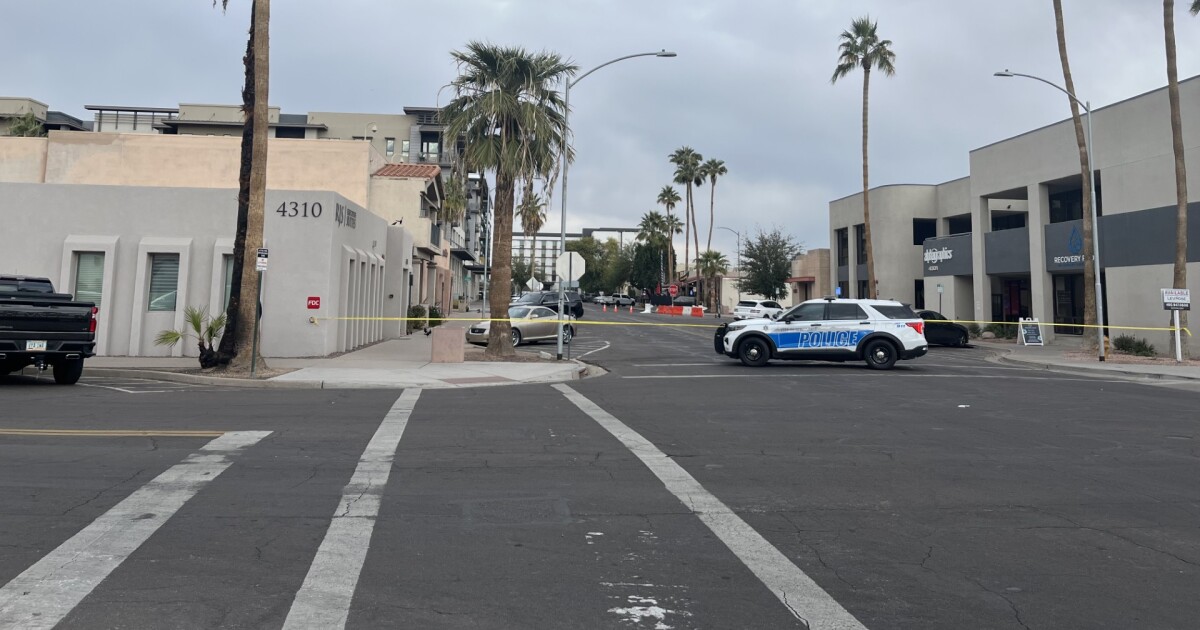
point(227, 261)
point(843, 247)
point(958, 225)
point(918, 294)
point(1008, 221)
point(860, 239)
point(89, 277)
point(923, 229)
point(844, 285)
point(164, 281)
point(862, 290)
point(389, 146)
point(404, 150)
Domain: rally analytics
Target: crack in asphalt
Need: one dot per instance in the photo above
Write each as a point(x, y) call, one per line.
point(1016, 611)
point(101, 492)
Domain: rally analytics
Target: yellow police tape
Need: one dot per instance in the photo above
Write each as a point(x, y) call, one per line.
point(582, 322)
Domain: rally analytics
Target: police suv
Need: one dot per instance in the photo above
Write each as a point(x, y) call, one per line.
point(879, 332)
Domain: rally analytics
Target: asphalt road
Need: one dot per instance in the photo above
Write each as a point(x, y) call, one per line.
point(680, 490)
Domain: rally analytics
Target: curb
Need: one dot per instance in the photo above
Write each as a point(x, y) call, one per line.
point(581, 371)
point(1094, 371)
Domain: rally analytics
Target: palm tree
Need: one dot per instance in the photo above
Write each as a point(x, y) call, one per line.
point(862, 48)
point(532, 212)
point(712, 169)
point(654, 230)
point(668, 197)
point(26, 126)
point(1090, 334)
point(1179, 276)
point(711, 264)
point(1195, 7)
point(252, 191)
point(687, 172)
point(511, 113)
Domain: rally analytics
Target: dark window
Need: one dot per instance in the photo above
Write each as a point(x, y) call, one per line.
point(898, 311)
point(846, 311)
point(295, 133)
point(862, 290)
point(959, 225)
point(923, 229)
point(932, 315)
point(813, 312)
point(843, 247)
point(845, 287)
point(860, 239)
point(919, 293)
point(1008, 222)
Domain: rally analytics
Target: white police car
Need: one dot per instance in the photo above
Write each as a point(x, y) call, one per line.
point(879, 332)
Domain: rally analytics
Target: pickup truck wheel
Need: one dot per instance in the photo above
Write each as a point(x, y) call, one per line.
point(754, 352)
point(67, 372)
point(880, 355)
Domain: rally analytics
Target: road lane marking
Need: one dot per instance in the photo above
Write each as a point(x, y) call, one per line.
point(110, 433)
point(323, 601)
point(798, 592)
point(898, 375)
point(47, 591)
point(605, 347)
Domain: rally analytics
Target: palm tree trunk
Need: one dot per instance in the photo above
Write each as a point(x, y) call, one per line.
point(696, 236)
point(687, 228)
point(1179, 275)
point(712, 196)
point(1090, 334)
point(256, 198)
point(499, 335)
point(866, 189)
point(670, 252)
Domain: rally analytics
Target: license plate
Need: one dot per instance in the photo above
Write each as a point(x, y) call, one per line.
point(35, 346)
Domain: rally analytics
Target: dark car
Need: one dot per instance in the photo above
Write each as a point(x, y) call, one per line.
point(45, 329)
point(549, 299)
point(943, 332)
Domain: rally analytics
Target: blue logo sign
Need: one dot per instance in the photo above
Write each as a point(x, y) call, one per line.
point(837, 291)
point(1075, 242)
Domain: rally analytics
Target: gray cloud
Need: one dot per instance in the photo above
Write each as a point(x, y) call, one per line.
point(750, 85)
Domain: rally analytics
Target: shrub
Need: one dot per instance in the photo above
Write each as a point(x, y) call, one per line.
point(1127, 344)
point(435, 316)
point(974, 330)
point(416, 317)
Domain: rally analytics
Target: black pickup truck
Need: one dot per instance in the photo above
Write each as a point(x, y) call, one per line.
point(45, 329)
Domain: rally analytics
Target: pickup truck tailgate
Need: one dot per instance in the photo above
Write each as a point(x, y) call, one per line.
point(23, 320)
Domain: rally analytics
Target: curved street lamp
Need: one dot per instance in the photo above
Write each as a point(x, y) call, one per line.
point(562, 239)
point(1092, 176)
point(739, 261)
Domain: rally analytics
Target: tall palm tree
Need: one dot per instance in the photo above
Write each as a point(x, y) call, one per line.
point(668, 198)
point(508, 107)
point(252, 192)
point(1090, 334)
point(1195, 7)
point(1179, 275)
point(532, 212)
point(687, 173)
point(711, 264)
point(712, 169)
point(862, 48)
point(26, 126)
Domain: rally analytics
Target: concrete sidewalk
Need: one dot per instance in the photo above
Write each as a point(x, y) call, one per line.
point(1066, 356)
point(395, 363)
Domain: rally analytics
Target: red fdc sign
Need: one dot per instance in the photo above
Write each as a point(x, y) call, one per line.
point(314, 302)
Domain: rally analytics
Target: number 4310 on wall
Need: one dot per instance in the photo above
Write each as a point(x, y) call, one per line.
point(295, 209)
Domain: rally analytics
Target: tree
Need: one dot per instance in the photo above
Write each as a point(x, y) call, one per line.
point(242, 310)
point(645, 266)
point(1195, 7)
point(1179, 273)
point(668, 198)
point(593, 257)
point(522, 271)
point(1090, 334)
point(687, 172)
point(767, 263)
point(711, 264)
point(203, 327)
point(618, 264)
point(862, 48)
point(508, 108)
point(26, 126)
point(712, 169)
point(532, 212)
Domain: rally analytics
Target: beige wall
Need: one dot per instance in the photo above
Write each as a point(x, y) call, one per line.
point(897, 260)
point(346, 126)
point(202, 162)
point(23, 160)
point(19, 106)
point(219, 113)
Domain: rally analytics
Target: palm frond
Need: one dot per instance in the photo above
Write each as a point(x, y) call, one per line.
point(169, 338)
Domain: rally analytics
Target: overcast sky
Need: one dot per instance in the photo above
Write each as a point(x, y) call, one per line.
point(750, 85)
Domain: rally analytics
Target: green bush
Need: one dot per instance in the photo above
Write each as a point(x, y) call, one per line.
point(435, 316)
point(1127, 344)
point(1002, 331)
point(974, 330)
point(416, 318)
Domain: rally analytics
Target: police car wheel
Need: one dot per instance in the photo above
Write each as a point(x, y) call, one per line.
point(754, 352)
point(880, 355)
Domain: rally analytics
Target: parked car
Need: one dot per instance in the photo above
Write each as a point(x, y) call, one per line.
point(683, 300)
point(549, 299)
point(530, 325)
point(605, 299)
point(754, 309)
point(45, 329)
point(942, 331)
point(879, 332)
point(624, 300)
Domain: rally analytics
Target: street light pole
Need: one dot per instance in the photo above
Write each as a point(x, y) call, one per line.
point(739, 261)
point(1095, 223)
point(562, 238)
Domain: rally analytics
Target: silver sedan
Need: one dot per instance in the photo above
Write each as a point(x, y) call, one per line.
point(529, 324)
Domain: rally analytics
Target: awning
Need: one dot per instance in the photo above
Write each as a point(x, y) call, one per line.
point(462, 253)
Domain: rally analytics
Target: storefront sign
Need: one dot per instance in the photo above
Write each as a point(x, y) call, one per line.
point(947, 255)
point(1031, 331)
point(343, 215)
point(1064, 246)
point(1177, 299)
